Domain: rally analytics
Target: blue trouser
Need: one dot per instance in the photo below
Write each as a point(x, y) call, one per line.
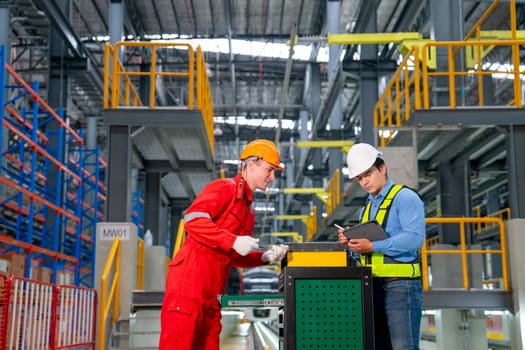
point(397, 313)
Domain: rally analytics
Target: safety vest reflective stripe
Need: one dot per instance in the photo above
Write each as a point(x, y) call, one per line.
point(377, 260)
point(384, 207)
point(196, 214)
point(380, 269)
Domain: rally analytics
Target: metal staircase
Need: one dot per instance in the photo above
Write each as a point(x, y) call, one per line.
point(142, 329)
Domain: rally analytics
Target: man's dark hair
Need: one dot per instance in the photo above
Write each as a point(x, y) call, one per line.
point(378, 163)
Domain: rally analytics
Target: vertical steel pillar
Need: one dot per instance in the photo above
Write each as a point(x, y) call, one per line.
point(152, 206)
point(368, 85)
point(5, 29)
point(333, 16)
point(116, 21)
point(516, 168)
point(316, 152)
point(454, 179)
point(58, 87)
point(119, 173)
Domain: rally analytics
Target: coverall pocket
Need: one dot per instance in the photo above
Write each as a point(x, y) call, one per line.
point(178, 258)
point(183, 308)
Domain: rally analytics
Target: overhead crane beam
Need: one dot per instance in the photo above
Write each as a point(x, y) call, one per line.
point(324, 143)
point(304, 190)
point(371, 38)
point(292, 217)
point(296, 236)
point(343, 144)
point(318, 191)
point(361, 38)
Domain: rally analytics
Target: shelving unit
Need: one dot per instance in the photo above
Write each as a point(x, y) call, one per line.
point(137, 212)
point(51, 190)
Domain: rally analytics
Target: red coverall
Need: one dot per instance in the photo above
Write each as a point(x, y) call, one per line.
point(191, 315)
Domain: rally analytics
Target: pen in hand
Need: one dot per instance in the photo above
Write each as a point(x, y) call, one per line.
point(339, 227)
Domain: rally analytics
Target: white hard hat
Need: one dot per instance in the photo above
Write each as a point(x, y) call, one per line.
point(360, 158)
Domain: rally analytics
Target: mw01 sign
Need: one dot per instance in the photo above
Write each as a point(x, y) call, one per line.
point(108, 232)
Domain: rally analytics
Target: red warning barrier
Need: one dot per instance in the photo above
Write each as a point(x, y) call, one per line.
point(37, 315)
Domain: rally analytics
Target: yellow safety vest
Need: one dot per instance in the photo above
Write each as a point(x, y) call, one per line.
point(380, 267)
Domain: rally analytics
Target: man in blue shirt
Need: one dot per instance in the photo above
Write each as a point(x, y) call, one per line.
point(396, 271)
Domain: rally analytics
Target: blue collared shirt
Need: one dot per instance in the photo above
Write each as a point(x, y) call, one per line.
point(405, 225)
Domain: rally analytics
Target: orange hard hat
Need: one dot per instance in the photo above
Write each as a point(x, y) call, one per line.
point(263, 149)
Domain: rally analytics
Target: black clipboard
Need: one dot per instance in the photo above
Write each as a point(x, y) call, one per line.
point(370, 230)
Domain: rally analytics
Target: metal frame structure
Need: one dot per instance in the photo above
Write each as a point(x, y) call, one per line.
point(44, 183)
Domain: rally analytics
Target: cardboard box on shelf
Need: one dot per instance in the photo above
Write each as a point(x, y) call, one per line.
point(65, 277)
point(5, 266)
point(33, 274)
point(17, 262)
point(45, 274)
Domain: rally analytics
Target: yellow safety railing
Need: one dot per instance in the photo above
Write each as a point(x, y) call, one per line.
point(120, 83)
point(429, 242)
point(311, 223)
point(452, 73)
point(204, 100)
point(401, 95)
point(410, 86)
point(464, 249)
point(181, 236)
point(334, 192)
point(503, 214)
point(130, 96)
point(139, 279)
point(107, 300)
point(296, 236)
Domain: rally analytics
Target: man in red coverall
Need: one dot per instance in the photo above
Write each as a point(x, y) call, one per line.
point(219, 225)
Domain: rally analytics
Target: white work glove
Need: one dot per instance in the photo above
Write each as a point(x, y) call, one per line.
point(245, 244)
point(275, 253)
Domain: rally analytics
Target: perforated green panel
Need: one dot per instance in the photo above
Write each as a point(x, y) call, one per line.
point(328, 314)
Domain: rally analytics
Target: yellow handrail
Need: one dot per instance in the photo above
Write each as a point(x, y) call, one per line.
point(403, 93)
point(181, 236)
point(452, 73)
point(204, 100)
point(334, 192)
point(139, 280)
point(106, 300)
point(311, 223)
point(464, 251)
point(476, 28)
point(405, 79)
point(119, 83)
point(503, 214)
point(118, 71)
point(410, 85)
point(110, 81)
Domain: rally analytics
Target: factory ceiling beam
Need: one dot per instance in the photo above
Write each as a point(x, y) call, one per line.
point(63, 26)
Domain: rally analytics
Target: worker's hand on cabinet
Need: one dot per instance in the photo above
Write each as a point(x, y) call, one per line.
point(245, 245)
point(275, 253)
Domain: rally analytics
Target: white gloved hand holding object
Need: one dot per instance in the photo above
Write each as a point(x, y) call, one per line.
point(245, 244)
point(275, 253)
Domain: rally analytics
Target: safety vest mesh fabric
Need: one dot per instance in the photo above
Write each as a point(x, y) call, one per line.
point(376, 261)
